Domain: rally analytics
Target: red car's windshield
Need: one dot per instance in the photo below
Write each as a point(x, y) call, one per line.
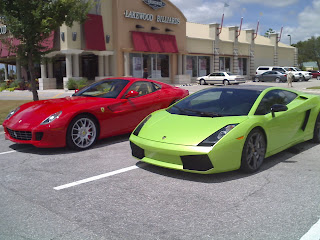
point(110, 88)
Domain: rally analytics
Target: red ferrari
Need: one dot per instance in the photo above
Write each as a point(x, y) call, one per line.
point(106, 108)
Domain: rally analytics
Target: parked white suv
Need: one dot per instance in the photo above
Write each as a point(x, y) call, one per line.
point(304, 75)
point(262, 69)
point(297, 75)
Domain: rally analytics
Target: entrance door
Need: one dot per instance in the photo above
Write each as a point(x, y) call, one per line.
point(90, 66)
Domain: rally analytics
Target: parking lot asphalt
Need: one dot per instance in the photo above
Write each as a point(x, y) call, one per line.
point(105, 193)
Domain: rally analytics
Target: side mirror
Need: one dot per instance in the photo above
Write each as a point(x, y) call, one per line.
point(131, 94)
point(278, 108)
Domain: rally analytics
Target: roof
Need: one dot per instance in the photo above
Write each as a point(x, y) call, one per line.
point(248, 87)
point(310, 64)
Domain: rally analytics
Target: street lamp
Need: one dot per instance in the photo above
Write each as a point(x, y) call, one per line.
point(290, 38)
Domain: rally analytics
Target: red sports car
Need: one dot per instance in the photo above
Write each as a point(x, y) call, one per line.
point(106, 108)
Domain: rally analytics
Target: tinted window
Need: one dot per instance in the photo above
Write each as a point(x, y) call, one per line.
point(274, 97)
point(263, 68)
point(217, 102)
point(104, 89)
point(143, 88)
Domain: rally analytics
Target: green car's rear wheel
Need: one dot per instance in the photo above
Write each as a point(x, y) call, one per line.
point(253, 151)
point(316, 132)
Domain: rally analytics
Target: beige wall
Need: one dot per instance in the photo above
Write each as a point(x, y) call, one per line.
point(203, 46)
point(123, 26)
point(263, 56)
point(285, 57)
point(68, 43)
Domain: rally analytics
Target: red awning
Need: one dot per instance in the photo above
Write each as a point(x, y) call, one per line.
point(94, 34)
point(7, 49)
point(48, 42)
point(152, 42)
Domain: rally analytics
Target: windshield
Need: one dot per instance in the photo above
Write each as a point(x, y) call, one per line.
point(217, 102)
point(110, 88)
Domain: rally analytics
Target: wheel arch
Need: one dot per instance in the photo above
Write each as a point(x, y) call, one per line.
point(263, 132)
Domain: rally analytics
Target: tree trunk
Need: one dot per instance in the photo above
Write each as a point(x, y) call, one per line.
point(32, 80)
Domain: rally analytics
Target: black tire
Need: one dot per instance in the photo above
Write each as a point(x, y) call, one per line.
point(253, 152)
point(226, 82)
point(316, 131)
point(277, 80)
point(82, 132)
point(202, 82)
point(256, 79)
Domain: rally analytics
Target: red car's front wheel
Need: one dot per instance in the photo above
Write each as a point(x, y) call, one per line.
point(82, 132)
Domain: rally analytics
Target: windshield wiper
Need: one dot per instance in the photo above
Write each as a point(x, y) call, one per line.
point(180, 109)
point(204, 114)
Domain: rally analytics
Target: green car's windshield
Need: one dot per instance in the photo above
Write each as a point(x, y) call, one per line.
point(110, 88)
point(217, 102)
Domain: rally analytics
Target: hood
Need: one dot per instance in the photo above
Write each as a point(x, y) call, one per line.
point(34, 113)
point(184, 130)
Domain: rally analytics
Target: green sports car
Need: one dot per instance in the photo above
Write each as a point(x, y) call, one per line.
point(226, 128)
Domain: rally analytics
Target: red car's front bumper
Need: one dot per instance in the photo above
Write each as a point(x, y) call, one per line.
point(43, 136)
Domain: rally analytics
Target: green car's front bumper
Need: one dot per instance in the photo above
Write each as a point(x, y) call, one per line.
point(224, 156)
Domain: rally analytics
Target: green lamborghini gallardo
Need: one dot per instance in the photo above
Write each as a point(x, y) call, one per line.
point(226, 128)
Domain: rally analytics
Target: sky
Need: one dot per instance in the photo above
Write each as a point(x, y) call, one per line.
point(298, 18)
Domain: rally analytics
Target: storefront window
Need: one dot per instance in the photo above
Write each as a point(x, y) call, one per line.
point(224, 64)
point(204, 66)
point(198, 66)
point(157, 65)
point(243, 66)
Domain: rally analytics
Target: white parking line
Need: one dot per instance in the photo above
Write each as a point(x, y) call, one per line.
point(8, 152)
point(313, 233)
point(95, 178)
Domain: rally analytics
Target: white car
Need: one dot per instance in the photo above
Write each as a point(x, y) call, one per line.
point(224, 78)
point(304, 75)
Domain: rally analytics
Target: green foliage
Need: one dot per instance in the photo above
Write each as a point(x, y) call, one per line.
point(77, 84)
point(309, 50)
point(3, 86)
point(268, 32)
point(32, 21)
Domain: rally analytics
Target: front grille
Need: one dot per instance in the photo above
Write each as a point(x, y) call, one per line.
point(20, 135)
point(196, 162)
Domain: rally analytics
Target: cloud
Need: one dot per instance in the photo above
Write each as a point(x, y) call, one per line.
point(201, 11)
point(271, 3)
point(307, 23)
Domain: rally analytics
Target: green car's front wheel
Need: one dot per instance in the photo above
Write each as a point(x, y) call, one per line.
point(254, 151)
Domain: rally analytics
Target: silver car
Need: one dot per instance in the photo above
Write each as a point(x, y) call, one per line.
point(271, 76)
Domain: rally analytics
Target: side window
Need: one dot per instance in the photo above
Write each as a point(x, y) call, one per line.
point(274, 97)
point(213, 74)
point(143, 88)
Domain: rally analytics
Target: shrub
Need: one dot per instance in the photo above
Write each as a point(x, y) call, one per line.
point(77, 84)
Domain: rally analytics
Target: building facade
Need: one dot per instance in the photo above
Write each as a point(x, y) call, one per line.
point(125, 37)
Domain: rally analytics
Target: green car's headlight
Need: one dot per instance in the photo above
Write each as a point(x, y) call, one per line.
point(214, 138)
point(138, 129)
point(12, 113)
point(51, 118)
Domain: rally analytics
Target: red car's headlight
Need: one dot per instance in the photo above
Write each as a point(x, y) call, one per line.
point(51, 118)
point(12, 113)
